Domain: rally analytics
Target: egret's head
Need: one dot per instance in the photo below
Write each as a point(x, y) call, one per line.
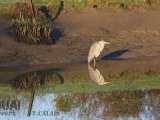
point(104, 42)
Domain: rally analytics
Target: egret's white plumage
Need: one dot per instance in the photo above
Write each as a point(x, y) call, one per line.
point(96, 49)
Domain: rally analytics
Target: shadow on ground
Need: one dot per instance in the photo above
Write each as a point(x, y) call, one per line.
point(56, 34)
point(45, 10)
point(115, 55)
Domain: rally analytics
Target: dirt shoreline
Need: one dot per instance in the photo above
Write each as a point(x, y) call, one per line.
point(134, 35)
point(108, 68)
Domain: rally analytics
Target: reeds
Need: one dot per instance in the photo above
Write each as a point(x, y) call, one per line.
point(29, 29)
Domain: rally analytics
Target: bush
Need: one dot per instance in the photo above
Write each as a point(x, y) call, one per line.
point(28, 28)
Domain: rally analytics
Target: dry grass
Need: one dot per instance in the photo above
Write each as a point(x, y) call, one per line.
point(29, 29)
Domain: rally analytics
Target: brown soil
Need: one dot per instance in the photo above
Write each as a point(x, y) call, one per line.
point(132, 34)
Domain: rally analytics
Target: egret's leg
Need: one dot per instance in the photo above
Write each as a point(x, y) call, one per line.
point(94, 62)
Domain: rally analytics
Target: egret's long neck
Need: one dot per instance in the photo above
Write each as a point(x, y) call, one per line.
point(101, 46)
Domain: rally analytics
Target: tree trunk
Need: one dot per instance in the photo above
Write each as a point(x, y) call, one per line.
point(32, 9)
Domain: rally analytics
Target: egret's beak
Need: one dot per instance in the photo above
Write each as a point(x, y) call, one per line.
point(107, 43)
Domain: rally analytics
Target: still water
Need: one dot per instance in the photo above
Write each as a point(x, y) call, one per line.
point(32, 96)
point(115, 105)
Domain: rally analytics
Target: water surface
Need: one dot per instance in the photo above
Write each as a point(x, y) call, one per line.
point(119, 105)
point(86, 94)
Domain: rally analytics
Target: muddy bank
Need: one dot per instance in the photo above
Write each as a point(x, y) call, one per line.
point(110, 69)
point(132, 34)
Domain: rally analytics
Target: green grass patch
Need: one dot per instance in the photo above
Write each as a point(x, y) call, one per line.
point(118, 84)
point(147, 82)
point(6, 90)
point(5, 10)
point(78, 5)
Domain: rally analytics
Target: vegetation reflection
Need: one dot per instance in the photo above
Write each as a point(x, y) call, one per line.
point(111, 104)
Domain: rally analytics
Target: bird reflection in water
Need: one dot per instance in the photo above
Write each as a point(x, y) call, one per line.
point(96, 76)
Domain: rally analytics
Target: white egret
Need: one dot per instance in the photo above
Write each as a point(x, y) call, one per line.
point(95, 50)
